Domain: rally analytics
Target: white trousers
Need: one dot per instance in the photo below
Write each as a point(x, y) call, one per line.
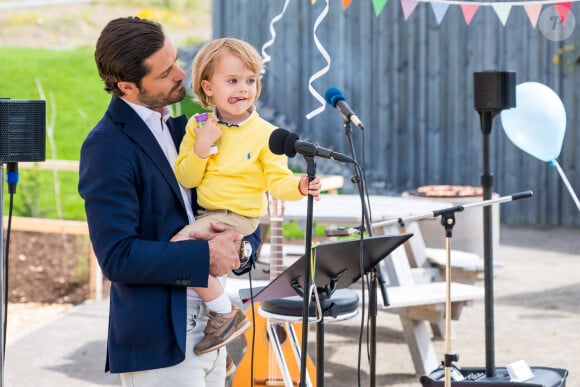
point(207, 370)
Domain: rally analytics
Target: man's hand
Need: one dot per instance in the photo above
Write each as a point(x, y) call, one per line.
point(216, 227)
point(224, 248)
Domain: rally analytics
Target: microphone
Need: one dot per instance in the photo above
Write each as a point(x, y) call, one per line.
point(341, 231)
point(284, 142)
point(334, 97)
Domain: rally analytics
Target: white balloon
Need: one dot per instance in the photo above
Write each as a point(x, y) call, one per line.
point(538, 122)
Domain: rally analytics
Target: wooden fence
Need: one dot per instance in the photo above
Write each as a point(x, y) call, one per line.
point(410, 81)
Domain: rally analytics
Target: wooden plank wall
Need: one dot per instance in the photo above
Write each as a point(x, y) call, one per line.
point(411, 82)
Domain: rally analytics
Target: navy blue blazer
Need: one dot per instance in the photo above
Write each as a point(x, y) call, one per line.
point(134, 206)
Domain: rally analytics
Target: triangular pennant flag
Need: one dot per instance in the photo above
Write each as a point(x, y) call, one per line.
point(469, 11)
point(378, 5)
point(439, 9)
point(503, 11)
point(408, 7)
point(346, 3)
point(533, 11)
point(563, 10)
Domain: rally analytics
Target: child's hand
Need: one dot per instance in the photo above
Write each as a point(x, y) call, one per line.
point(310, 188)
point(206, 133)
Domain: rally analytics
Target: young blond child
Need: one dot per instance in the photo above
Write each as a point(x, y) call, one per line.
point(226, 157)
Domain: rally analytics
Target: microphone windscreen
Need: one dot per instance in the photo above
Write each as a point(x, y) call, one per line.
point(333, 95)
point(290, 145)
point(277, 140)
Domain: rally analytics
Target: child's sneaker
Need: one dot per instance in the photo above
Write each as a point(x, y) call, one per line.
point(221, 329)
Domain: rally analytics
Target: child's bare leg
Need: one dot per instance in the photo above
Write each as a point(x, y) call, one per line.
point(214, 296)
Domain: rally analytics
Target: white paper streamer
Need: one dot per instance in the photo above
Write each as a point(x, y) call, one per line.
point(322, 71)
point(275, 19)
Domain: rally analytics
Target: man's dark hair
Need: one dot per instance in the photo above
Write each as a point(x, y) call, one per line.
point(124, 45)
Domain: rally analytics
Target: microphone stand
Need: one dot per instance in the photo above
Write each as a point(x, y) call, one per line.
point(308, 270)
point(376, 276)
point(448, 221)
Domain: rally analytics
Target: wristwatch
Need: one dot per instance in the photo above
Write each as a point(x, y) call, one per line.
point(245, 251)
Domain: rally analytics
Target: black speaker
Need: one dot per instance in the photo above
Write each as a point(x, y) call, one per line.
point(22, 130)
point(494, 90)
point(543, 377)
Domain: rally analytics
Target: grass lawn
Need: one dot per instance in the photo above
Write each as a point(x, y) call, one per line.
point(75, 101)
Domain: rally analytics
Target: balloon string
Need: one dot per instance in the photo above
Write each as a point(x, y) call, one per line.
point(275, 19)
point(322, 71)
point(566, 183)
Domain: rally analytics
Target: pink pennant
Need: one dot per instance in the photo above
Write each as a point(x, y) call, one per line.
point(408, 7)
point(345, 4)
point(563, 10)
point(469, 11)
point(533, 11)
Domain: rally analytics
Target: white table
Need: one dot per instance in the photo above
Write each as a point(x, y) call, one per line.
point(347, 209)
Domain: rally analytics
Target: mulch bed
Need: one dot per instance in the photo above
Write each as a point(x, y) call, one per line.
point(48, 268)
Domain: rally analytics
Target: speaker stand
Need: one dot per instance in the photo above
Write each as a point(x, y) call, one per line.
point(2, 278)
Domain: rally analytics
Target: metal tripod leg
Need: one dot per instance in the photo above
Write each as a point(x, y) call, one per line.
point(276, 345)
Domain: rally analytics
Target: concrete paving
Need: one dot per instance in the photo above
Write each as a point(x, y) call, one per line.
point(536, 308)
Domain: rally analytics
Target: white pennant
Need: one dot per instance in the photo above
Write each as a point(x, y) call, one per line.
point(503, 11)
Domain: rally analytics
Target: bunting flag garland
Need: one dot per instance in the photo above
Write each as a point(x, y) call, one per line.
point(470, 8)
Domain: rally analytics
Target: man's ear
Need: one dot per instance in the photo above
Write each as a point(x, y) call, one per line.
point(128, 88)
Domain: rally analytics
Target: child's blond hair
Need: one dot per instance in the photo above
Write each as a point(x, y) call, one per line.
point(205, 61)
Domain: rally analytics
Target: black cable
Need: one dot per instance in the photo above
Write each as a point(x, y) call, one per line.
point(6, 267)
point(253, 329)
point(12, 180)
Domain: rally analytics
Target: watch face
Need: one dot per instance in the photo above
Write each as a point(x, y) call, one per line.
point(246, 251)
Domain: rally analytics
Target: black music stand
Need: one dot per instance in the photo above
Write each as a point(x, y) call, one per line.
point(336, 267)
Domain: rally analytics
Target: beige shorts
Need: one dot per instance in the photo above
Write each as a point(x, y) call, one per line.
point(242, 224)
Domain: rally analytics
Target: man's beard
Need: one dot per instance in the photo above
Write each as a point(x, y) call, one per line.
point(160, 100)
